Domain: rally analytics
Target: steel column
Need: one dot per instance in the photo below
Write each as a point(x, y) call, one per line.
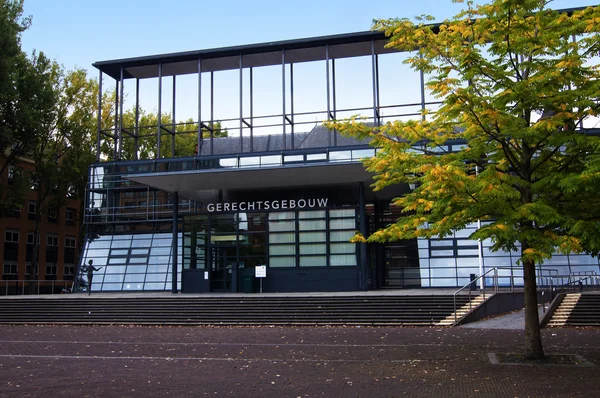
point(328, 88)
point(173, 119)
point(292, 104)
point(115, 132)
point(199, 143)
point(98, 146)
point(175, 253)
point(241, 103)
point(334, 99)
point(374, 79)
point(159, 110)
point(422, 81)
point(212, 110)
point(136, 143)
point(283, 95)
point(251, 111)
point(121, 114)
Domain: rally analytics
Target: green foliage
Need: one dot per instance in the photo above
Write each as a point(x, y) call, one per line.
point(514, 87)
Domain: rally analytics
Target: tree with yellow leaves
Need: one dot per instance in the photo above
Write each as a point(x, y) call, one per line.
point(518, 83)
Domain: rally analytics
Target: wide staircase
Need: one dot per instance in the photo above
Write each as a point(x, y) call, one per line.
point(371, 310)
point(577, 309)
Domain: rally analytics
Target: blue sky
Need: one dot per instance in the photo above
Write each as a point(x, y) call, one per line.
point(80, 32)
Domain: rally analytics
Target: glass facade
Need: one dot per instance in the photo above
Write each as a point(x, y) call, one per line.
point(130, 262)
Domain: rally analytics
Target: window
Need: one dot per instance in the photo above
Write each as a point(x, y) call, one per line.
point(31, 238)
point(52, 215)
point(31, 210)
point(51, 269)
point(70, 216)
point(69, 271)
point(11, 236)
point(10, 271)
point(52, 240)
point(70, 242)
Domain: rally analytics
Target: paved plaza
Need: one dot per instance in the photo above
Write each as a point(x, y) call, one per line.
point(279, 362)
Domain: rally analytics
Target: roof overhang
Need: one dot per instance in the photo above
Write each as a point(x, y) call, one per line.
point(191, 184)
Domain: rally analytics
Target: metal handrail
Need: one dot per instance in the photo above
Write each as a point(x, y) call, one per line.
point(67, 285)
point(495, 285)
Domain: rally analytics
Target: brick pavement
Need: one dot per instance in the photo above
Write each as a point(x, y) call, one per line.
point(287, 362)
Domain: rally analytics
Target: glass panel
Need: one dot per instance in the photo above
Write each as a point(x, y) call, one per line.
point(282, 238)
point(293, 158)
point(154, 286)
point(119, 252)
point(139, 251)
point(135, 277)
point(270, 160)
point(136, 269)
point(435, 243)
point(442, 253)
point(157, 267)
point(160, 250)
point(97, 253)
point(311, 225)
point(100, 243)
point(282, 261)
point(316, 156)
point(133, 286)
point(340, 213)
point(342, 259)
point(162, 242)
point(156, 278)
point(275, 226)
point(340, 155)
point(228, 162)
point(138, 260)
point(121, 243)
point(115, 269)
point(313, 249)
point(111, 278)
point(312, 214)
point(282, 249)
point(344, 236)
point(313, 261)
point(249, 161)
point(141, 243)
point(342, 247)
point(312, 237)
point(111, 286)
point(362, 153)
point(282, 215)
point(342, 223)
point(117, 260)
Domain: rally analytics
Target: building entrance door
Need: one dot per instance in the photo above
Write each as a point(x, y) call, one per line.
point(402, 264)
point(223, 260)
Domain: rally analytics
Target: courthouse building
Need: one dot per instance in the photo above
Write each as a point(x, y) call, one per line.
point(264, 184)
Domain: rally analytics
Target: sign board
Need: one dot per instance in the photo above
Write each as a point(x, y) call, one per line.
point(261, 271)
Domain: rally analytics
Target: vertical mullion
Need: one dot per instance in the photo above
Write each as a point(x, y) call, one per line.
point(121, 113)
point(251, 111)
point(334, 99)
point(116, 128)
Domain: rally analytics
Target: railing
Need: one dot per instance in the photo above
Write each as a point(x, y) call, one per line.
point(472, 285)
point(36, 286)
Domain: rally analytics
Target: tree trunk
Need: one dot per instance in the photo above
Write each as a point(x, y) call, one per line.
point(533, 337)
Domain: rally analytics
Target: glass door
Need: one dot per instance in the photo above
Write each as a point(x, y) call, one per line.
point(223, 259)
